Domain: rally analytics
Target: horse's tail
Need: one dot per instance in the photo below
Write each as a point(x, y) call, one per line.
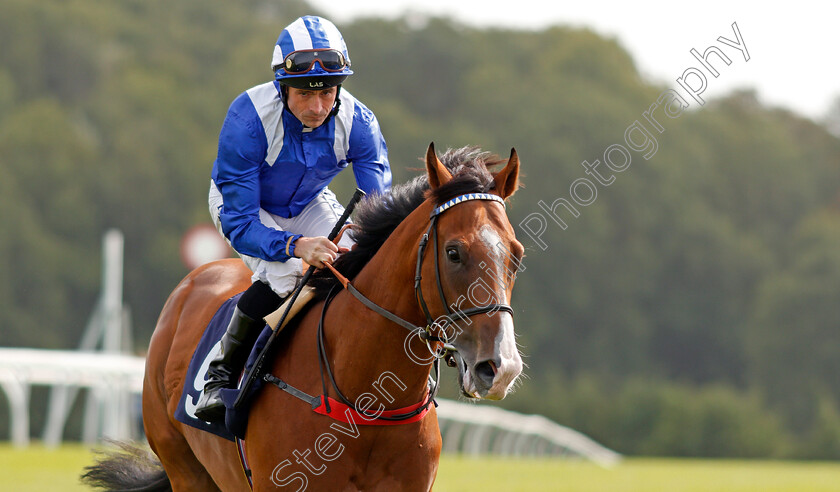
point(128, 469)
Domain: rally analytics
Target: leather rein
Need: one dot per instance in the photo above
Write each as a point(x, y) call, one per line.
point(425, 333)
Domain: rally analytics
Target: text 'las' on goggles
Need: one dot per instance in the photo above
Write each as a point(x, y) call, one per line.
point(302, 61)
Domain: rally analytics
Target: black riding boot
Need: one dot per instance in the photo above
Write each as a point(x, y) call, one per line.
point(237, 341)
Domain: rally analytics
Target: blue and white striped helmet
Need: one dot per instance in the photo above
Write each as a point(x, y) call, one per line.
point(310, 54)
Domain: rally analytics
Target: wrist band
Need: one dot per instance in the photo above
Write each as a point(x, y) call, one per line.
point(289, 243)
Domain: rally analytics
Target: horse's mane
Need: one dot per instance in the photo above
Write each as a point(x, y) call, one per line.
point(377, 216)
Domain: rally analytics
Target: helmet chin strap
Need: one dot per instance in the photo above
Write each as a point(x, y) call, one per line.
point(337, 101)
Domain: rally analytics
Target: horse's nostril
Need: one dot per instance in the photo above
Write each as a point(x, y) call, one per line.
point(485, 372)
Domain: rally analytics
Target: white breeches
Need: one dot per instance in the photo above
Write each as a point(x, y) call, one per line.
point(317, 219)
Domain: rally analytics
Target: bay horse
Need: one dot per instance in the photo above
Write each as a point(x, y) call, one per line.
point(471, 264)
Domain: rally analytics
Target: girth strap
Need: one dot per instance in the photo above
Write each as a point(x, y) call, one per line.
point(315, 401)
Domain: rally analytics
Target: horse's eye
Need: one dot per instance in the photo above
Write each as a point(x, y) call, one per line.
point(452, 254)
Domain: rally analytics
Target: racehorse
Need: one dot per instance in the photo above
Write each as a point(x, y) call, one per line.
point(457, 291)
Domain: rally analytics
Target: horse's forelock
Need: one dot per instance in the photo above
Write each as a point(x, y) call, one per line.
point(470, 173)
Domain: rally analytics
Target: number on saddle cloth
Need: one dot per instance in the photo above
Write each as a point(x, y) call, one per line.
point(207, 349)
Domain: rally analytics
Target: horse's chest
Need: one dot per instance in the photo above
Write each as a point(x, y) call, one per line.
point(350, 457)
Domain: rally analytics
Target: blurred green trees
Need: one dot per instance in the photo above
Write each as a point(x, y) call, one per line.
point(691, 309)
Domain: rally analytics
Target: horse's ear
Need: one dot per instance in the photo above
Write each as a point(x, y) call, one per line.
point(507, 180)
point(438, 174)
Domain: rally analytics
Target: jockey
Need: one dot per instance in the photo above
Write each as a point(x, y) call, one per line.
point(281, 144)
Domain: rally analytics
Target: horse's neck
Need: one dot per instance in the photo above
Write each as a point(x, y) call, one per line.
point(378, 350)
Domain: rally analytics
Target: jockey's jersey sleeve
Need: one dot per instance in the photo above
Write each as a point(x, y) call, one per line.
point(267, 159)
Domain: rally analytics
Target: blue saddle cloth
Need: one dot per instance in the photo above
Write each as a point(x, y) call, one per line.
point(208, 347)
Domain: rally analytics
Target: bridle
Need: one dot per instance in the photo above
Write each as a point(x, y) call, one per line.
point(424, 333)
point(450, 315)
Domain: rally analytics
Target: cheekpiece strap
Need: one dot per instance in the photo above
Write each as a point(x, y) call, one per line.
point(463, 198)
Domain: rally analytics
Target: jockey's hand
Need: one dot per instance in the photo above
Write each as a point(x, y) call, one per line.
point(316, 250)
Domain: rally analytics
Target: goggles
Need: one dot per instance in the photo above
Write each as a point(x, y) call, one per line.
point(298, 62)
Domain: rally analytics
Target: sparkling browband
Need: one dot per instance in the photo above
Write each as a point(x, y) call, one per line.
point(467, 197)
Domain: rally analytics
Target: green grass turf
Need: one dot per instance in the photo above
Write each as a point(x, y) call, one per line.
point(635, 475)
point(36, 469)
